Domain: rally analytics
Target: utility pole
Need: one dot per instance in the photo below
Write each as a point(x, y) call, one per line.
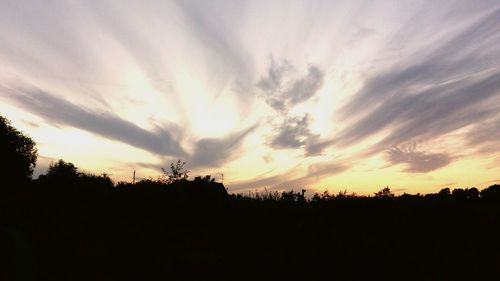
point(133, 181)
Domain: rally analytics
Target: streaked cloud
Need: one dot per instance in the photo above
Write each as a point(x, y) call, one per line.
point(455, 84)
point(275, 94)
point(428, 113)
point(290, 180)
point(417, 161)
point(164, 141)
point(213, 152)
point(59, 112)
point(485, 136)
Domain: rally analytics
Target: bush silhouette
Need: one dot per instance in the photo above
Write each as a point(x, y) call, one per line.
point(491, 193)
point(444, 193)
point(177, 172)
point(64, 176)
point(472, 193)
point(384, 193)
point(18, 153)
point(61, 171)
point(80, 226)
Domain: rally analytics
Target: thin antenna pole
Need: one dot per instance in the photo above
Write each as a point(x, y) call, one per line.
point(133, 181)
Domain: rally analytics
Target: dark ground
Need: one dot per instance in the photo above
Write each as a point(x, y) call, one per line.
point(84, 232)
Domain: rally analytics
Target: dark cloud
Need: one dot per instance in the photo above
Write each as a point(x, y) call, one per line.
point(318, 171)
point(429, 113)
point(315, 146)
point(163, 141)
point(293, 133)
point(417, 161)
point(60, 112)
point(211, 152)
point(304, 88)
point(282, 94)
point(274, 79)
point(456, 84)
point(469, 52)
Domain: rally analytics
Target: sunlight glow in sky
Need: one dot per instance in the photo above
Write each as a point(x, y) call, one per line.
point(354, 95)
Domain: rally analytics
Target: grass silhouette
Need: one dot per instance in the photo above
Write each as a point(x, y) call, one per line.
point(68, 225)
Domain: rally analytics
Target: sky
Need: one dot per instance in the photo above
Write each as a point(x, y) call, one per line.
point(276, 95)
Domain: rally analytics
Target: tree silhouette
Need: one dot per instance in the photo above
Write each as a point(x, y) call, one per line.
point(492, 193)
point(459, 193)
point(445, 192)
point(177, 172)
point(384, 193)
point(18, 153)
point(61, 171)
point(472, 193)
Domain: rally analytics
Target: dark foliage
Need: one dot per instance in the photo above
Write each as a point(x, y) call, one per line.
point(69, 225)
point(384, 193)
point(491, 193)
point(177, 172)
point(18, 154)
point(82, 227)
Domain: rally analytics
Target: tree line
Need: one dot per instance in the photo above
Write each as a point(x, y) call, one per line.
point(70, 225)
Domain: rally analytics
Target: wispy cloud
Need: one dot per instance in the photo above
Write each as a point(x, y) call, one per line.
point(282, 91)
point(454, 85)
point(344, 77)
point(485, 136)
point(446, 60)
point(428, 113)
point(290, 180)
point(226, 54)
point(163, 141)
point(57, 111)
point(212, 152)
point(417, 161)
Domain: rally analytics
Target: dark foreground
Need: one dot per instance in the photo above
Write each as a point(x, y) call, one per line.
point(162, 233)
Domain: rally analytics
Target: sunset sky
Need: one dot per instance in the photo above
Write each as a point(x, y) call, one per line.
point(354, 95)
